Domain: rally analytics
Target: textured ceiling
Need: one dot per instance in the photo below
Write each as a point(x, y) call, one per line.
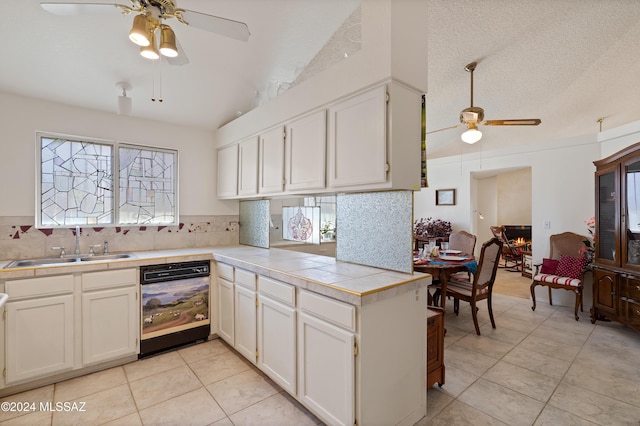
point(567, 62)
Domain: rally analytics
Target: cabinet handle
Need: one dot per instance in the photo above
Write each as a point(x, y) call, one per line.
point(638, 287)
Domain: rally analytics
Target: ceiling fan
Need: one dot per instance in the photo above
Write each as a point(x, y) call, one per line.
point(149, 30)
point(474, 115)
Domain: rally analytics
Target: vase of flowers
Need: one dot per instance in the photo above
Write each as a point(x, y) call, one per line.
point(430, 227)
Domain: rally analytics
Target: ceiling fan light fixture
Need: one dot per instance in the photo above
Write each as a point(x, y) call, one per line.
point(150, 51)
point(168, 45)
point(472, 135)
point(140, 31)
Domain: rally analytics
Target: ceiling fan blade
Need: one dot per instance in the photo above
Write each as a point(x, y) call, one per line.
point(79, 8)
point(443, 129)
point(514, 122)
point(181, 59)
point(215, 24)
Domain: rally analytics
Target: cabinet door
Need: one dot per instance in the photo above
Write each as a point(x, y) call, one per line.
point(228, 171)
point(245, 322)
point(605, 291)
point(358, 140)
point(277, 342)
point(271, 168)
point(326, 370)
point(248, 167)
point(40, 336)
point(630, 218)
point(607, 216)
point(305, 152)
point(110, 324)
point(225, 311)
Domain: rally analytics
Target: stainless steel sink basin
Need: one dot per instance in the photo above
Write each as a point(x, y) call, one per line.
point(97, 257)
point(29, 263)
point(25, 263)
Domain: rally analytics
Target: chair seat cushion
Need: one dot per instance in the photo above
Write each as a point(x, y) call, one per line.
point(557, 279)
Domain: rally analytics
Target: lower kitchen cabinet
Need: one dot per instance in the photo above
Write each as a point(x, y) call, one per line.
point(110, 319)
point(39, 327)
point(245, 314)
point(326, 369)
point(277, 332)
point(226, 329)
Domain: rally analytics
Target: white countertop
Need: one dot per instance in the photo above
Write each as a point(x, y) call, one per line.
point(352, 283)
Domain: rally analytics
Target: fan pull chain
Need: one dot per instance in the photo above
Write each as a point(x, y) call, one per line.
point(153, 84)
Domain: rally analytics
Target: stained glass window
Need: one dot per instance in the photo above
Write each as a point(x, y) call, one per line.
point(147, 186)
point(80, 185)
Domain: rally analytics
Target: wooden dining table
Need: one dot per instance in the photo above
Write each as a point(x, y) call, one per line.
point(441, 269)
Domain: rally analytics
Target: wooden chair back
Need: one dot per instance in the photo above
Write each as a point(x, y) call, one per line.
point(463, 241)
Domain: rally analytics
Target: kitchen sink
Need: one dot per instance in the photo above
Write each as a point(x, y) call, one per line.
point(27, 263)
point(97, 257)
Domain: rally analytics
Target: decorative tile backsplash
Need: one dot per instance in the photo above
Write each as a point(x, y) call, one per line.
point(20, 239)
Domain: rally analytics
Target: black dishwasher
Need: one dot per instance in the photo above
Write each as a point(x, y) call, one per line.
point(174, 305)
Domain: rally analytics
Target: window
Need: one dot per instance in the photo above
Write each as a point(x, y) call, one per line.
point(81, 181)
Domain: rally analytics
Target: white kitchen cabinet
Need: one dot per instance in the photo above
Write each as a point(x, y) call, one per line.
point(245, 314)
point(358, 140)
point(110, 315)
point(271, 164)
point(39, 327)
point(225, 310)
point(277, 332)
point(248, 167)
point(228, 172)
point(305, 152)
point(326, 357)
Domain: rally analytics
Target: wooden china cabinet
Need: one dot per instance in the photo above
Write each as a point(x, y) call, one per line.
point(616, 267)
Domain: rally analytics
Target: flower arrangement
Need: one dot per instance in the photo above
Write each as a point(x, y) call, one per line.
point(430, 227)
point(588, 251)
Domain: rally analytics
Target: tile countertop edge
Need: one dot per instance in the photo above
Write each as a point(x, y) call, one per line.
point(233, 256)
point(407, 282)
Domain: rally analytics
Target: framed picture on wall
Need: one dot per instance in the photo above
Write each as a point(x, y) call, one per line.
point(445, 197)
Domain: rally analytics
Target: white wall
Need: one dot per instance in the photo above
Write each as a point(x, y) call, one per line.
point(21, 117)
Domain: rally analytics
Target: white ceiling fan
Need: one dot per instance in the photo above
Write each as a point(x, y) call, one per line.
point(474, 115)
point(149, 30)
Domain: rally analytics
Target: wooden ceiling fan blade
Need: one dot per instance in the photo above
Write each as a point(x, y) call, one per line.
point(80, 8)
point(514, 122)
point(215, 24)
point(444, 128)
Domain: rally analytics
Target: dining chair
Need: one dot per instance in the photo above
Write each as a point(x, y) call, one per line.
point(463, 241)
point(564, 268)
point(481, 287)
point(466, 243)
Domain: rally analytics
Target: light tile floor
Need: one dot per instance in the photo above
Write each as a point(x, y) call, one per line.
point(203, 384)
point(536, 368)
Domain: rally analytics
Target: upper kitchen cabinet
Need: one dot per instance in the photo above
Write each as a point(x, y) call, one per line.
point(271, 164)
point(358, 140)
point(228, 172)
point(374, 140)
point(305, 152)
point(248, 167)
point(368, 141)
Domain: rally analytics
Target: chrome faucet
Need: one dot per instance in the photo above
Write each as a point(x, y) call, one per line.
point(77, 240)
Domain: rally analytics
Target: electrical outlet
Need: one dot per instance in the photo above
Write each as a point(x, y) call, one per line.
point(233, 226)
point(547, 224)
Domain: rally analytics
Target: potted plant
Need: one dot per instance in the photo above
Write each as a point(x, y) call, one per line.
point(327, 231)
point(430, 227)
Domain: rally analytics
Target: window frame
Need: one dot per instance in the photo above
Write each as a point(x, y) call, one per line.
point(115, 173)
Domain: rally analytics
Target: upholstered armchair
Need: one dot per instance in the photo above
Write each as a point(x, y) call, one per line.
point(563, 269)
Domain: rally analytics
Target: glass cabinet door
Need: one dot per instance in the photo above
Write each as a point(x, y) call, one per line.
point(631, 214)
point(607, 250)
